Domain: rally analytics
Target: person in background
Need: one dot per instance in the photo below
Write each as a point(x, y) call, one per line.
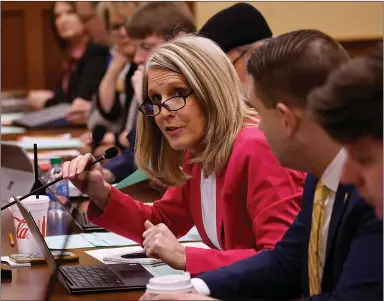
point(149, 27)
point(230, 185)
point(116, 87)
point(238, 30)
point(83, 67)
point(93, 22)
point(350, 108)
point(334, 249)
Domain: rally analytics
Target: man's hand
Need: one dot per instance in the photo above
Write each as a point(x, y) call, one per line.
point(118, 62)
point(79, 111)
point(192, 296)
point(159, 242)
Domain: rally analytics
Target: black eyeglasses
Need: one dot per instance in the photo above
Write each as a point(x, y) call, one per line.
point(171, 104)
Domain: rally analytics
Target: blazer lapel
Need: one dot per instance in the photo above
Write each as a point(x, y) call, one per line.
point(340, 206)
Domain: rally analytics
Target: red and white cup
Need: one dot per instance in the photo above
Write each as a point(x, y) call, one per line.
point(39, 211)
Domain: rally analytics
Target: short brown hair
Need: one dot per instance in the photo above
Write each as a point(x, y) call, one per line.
point(162, 19)
point(287, 67)
point(350, 104)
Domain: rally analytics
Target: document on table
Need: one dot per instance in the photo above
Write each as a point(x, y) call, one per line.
point(51, 143)
point(156, 269)
point(88, 240)
point(8, 118)
point(11, 130)
point(135, 177)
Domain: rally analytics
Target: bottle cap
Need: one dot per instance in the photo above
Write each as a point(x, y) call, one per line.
point(55, 161)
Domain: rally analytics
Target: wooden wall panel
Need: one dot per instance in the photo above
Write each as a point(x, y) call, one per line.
point(13, 58)
point(52, 54)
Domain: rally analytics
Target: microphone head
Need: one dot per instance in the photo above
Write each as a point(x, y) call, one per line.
point(110, 152)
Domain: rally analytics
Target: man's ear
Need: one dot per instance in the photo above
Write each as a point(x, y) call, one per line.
point(290, 120)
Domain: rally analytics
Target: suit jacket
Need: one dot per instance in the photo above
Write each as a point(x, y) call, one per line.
point(256, 202)
point(84, 80)
point(353, 266)
point(124, 164)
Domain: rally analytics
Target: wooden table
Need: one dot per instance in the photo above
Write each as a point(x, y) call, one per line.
point(29, 283)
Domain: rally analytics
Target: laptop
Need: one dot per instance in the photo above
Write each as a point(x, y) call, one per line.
point(16, 171)
point(91, 278)
point(54, 116)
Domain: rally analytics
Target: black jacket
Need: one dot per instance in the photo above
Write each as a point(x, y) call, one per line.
point(84, 80)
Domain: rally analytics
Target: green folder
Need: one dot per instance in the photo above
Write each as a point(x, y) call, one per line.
point(136, 177)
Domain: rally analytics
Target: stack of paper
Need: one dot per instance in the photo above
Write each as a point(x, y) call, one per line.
point(58, 142)
point(7, 119)
point(155, 269)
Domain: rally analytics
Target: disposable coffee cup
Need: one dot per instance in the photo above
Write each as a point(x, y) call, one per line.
point(170, 284)
point(39, 211)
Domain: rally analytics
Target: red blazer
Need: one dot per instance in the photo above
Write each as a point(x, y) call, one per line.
point(257, 200)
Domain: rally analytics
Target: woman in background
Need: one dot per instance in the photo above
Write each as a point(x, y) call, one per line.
point(83, 67)
point(115, 109)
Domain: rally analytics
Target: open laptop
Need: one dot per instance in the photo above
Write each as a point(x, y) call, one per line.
point(16, 171)
point(91, 278)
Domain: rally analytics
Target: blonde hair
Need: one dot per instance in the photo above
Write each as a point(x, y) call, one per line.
point(217, 87)
point(105, 8)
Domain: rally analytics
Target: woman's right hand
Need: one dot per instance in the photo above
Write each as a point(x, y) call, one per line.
point(88, 180)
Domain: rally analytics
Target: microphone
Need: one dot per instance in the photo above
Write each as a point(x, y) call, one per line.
point(108, 154)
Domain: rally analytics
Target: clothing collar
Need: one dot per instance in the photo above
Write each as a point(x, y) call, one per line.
point(332, 174)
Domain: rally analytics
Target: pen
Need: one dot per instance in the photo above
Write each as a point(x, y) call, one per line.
point(11, 239)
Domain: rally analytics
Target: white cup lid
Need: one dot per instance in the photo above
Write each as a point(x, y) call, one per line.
point(32, 199)
point(170, 283)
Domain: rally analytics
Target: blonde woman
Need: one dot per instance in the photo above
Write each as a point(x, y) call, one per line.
point(231, 186)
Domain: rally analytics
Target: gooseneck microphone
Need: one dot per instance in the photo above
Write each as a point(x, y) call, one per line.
point(108, 154)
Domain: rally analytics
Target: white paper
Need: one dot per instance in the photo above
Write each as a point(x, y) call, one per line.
point(114, 252)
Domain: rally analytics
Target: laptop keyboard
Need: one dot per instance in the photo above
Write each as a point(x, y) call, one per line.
point(97, 276)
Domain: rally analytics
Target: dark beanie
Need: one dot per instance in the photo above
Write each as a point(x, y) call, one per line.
point(235, 26)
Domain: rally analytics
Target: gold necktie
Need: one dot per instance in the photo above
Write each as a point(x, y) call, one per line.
point(315, 269)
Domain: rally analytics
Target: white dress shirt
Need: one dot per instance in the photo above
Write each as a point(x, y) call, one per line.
point(331, 179)
point(208, 207)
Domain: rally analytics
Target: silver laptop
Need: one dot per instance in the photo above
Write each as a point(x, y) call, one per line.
point(17, 176)
point(92, 278)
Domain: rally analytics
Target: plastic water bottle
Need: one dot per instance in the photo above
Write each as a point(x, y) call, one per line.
point(60, 193)
point(60, 189)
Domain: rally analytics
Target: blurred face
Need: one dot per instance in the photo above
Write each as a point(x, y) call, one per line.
point(364, 169)
point(118, 32)
point(278, 125)
point(92, 23)
point(183, 128)
point(146, 47)
point(68, 23)
point(239, 59)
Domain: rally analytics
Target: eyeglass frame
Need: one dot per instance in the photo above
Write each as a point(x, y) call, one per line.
point(184, 97)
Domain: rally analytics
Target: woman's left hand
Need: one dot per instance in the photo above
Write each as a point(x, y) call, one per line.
point(159, 242)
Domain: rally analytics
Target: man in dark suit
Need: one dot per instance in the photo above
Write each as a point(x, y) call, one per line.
point(350, 108)
point(334, 249)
